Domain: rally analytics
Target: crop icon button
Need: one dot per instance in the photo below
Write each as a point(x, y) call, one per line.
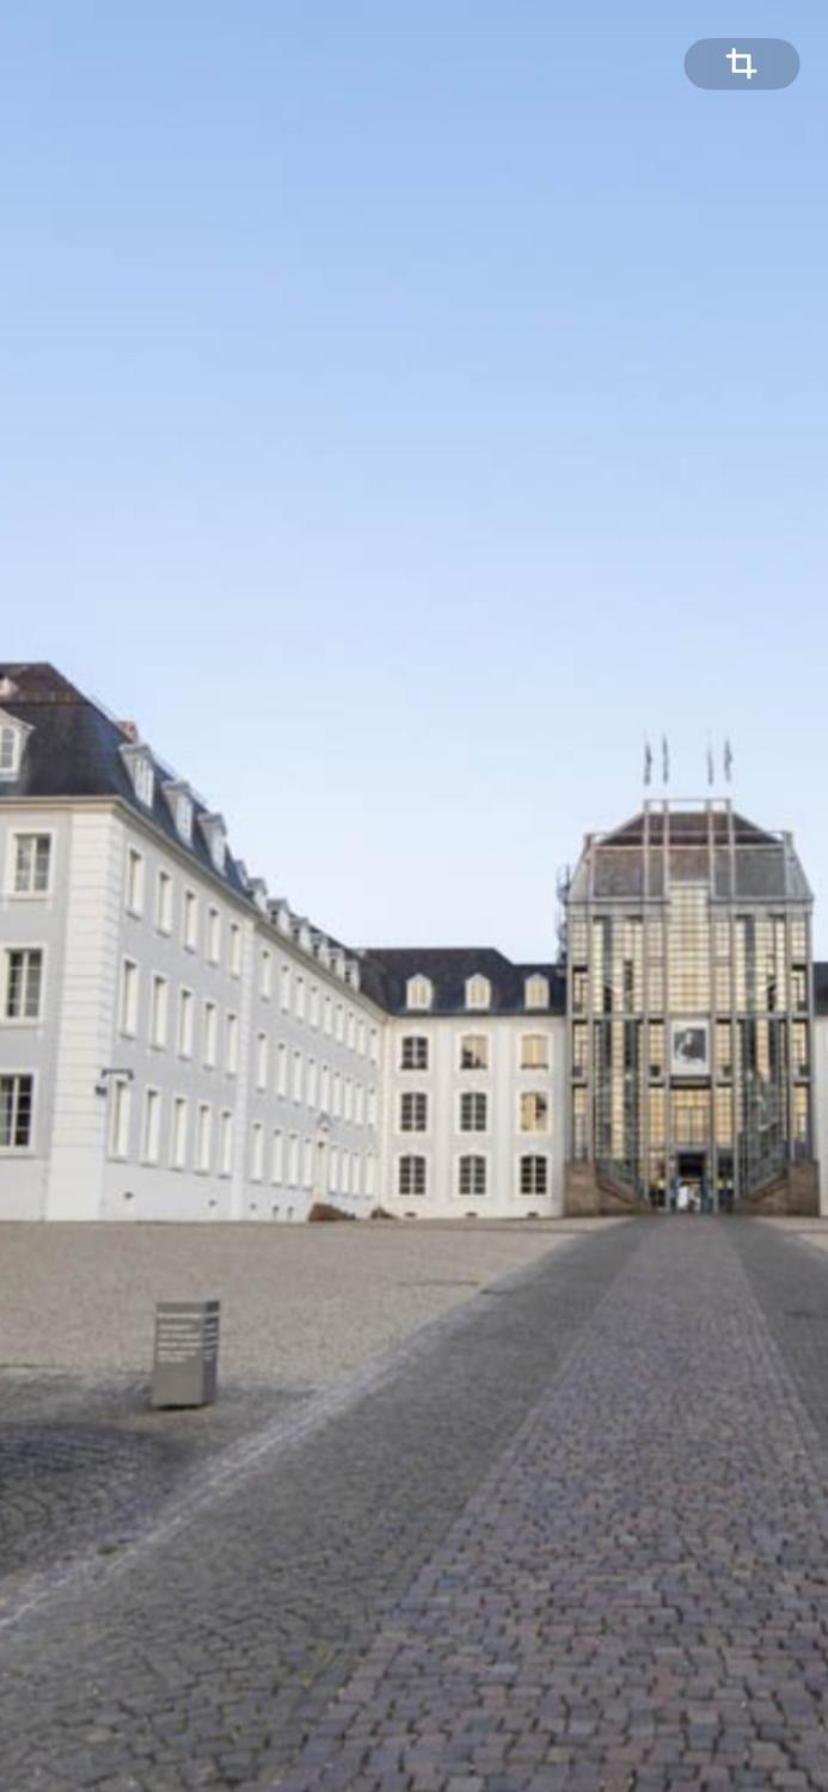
point(745, 65)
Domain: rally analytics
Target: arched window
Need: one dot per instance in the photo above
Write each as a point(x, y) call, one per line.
point(418, 992)
point(411, 1178)
point(478, 992)
point(536, 991)
point(534, 1175)
point(471, 1176)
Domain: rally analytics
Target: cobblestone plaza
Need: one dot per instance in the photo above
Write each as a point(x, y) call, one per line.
point(571, 1532)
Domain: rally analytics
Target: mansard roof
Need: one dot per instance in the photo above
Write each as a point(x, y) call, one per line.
point(697, 840)
point(448, 969)
point(74, 750)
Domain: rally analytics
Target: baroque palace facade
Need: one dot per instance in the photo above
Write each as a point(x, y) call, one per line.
point(177, 1044)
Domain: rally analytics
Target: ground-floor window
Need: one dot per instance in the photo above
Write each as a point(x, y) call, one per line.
point(534, 1175)
point(412, 1176)
point(472, 1175)
point(16, 1102)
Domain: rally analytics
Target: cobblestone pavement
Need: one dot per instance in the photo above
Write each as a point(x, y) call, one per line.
point(203, 1654)
point(578, 1539)
point(637, 1596)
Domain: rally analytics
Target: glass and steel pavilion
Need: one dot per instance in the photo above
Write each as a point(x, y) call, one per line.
point(689, 1007)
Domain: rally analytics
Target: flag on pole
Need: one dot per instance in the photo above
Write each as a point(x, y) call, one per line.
point(648, 763)
point(728, 761)
point(710, 769)
point(665, 759)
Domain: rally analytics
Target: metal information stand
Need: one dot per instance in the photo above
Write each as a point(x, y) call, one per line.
point(186, 1353)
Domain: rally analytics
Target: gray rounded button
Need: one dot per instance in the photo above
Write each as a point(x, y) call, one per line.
point(742, 64)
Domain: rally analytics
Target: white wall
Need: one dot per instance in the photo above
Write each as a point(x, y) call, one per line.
point(503, 1143)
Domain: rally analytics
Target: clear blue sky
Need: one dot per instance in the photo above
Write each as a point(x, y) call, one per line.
point(407, 403)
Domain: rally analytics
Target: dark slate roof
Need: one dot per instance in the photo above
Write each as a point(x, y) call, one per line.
point(448, 968)
point(74, 750)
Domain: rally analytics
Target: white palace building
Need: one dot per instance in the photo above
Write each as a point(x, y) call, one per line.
point(177, 1044)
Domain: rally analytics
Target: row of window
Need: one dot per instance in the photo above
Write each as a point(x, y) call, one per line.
point(419, 992)
point(293, 1075)
point(297, 995)
point(198, 1138)
point(473, 1111)
point(473, 1051)
point(472, 1175)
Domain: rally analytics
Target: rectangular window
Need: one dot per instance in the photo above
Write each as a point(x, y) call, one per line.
point(213, 936)
point(281, 1070)
point(339, 1027)
point(474, 1052)
point(413, 1111)
point(164, 903)
point(534, 1111)
point(534, 1052)
point(32, 864)
point(373, 1046)
point(534, 1173)
point(359, 1104)
point(235, 949)
point(336, 1103)
point(284, 988)
point(348, 1109)
point(412, 1176)
point(257, 1152)
point(351, 1034)
point(204, 1138)
point(129, 997)
point(151, 1131)
point(324, 1088)
point(120, 1115)
point(278, 1159)
point(296, 1085)
point(9, 751)
point(178, 1138)
point(473, 1106)
point(232, 1044)
point(186, 1005)
point(299, 998)
point(266, 984)
point(313, 1006)
point(190, 929)
point(135, 882)
point(210, 1035)
point(261, 1061)
point(24, 983)
point(360, 1045)
point(159, 1012)
point(471, 1178)
point(327, 1016)
point(226, 1144)
point(16, 1107)
point(414, 1052)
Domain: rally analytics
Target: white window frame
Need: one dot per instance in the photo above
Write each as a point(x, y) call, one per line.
point(535, 1158)
point(542, 1064)
point(465, 1039)
point(30, 894)
point(536, 991)
point(190, 920)
point(120, 1119)
point(262, 1057)
point(26, 950)
point(474, 1157)
point(136, 875)
point(14, 733)
point(14, 1074)
point(533, 1132)
point(419, 1159)
point(257, 1152)
point(213, 946)
point(185, 1023)
point(129, 998)
point(210, 1041)
point(419, 993)
point(231, 1043)
point(235, 955)
point(266, 974)
point(179, 1132)
point(409, 1102)
point(164, 901)
point(414, 1039)
point(277, 1157)
point(472, 1097)
point(478, 993)
point(226, 1142)
point(203, 1139)
point(159, 1011)
point(151, 1124)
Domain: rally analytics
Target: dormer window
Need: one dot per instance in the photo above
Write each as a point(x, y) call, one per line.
point(478, 992)
point(138, 761)
point(419, 992)
point(181, 808)
point(303, 936)
point(13, 736)
point(215, 834)
point(536, 992)
point(352, 973)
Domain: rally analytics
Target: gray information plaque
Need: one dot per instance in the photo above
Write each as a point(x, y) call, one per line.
point(185, 1364)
